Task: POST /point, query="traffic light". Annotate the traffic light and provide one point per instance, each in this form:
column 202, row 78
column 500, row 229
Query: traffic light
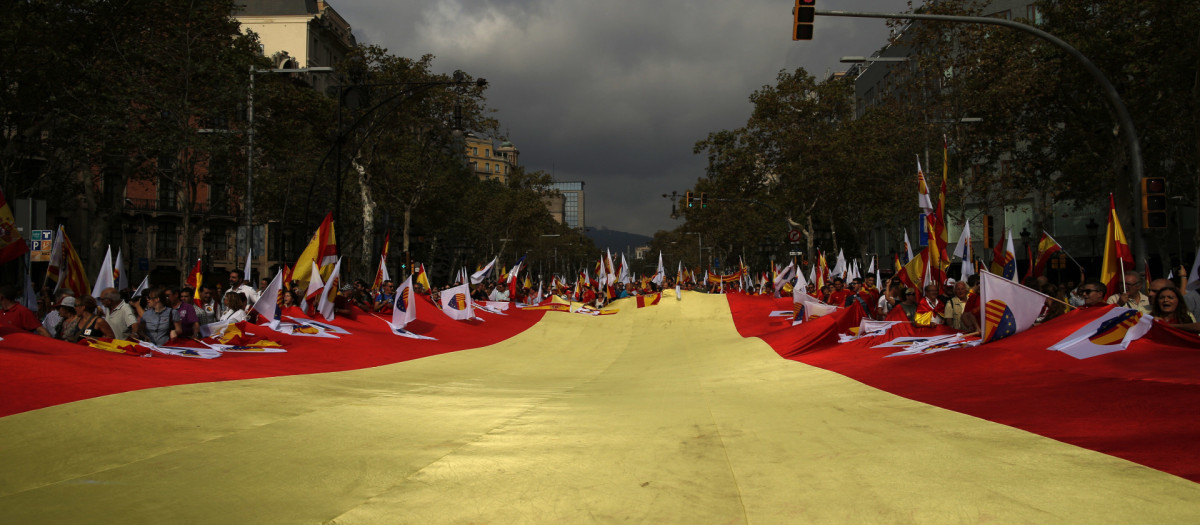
column 688, row 199
column 703, row 199
column 1154, row 202
column 987, row 231
column 802, row 19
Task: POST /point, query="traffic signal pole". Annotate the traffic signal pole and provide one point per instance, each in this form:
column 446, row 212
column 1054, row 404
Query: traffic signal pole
column 1132, row 146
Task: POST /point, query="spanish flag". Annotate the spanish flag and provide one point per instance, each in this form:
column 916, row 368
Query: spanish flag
column 194, row 279
column 1117, row 256
column 322, row 249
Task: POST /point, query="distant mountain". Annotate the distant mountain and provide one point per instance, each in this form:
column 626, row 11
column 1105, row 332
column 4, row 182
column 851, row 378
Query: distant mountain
column 616, row 241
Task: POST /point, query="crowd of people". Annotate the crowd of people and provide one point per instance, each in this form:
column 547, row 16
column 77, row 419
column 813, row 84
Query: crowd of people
column 160, row 314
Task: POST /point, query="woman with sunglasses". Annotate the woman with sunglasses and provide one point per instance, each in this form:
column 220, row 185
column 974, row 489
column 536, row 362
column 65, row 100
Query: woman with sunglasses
column 160, row 323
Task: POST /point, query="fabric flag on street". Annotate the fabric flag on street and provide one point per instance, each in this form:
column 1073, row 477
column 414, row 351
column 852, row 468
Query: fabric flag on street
column 270, row 302
column 423, row 278
column 648, row 300
column 512, row 279
column 142, row 287
column 964, row 252
column 678, row 281
column 623, row 276
column 456, row 303
column 246, row 270
column 404, row 310
column 660, row 271
column 322, row 249
column 839, row 266
column 784, row 276
column 381, row 273
column 194, row 279
column 66, row 267
column 313, row 294
column 120, row 277
column 1117, row 256
column 1046, row 249
column 923, row 201
column 328, row 297
column 1004, row 258
column 1007, row 308
column 1112, row 332
column 908, row 253
column 482, row 274
column 104, row 279
column 12, row 245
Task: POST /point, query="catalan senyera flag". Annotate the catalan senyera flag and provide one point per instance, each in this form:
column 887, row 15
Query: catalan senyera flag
column 381, row 274
column 923, row 201
column 12, row 245
column 322, row 249
column 1117, row 255
column 66, row 267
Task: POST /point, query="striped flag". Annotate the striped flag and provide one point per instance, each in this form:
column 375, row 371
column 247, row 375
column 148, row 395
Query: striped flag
column 1117, row 256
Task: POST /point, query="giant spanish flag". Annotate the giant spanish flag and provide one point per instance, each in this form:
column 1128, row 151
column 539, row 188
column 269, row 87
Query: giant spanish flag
column 322, row 249
column 1117, row 255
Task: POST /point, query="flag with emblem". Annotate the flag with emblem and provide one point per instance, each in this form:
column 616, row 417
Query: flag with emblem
column 1112, row 332
column 194, row 279
column 456, row 303
column 404, row 310
column 1046, row 249
column 1008, row 308
column 381, row 273
column 1004, row 258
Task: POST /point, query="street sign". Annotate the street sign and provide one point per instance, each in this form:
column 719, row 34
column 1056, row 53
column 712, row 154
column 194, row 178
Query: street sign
column 40, row 243
column 794, row 235
column 795, row 253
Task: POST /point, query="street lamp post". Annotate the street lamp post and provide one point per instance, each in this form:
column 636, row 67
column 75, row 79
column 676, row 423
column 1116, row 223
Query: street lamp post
column 250, row 141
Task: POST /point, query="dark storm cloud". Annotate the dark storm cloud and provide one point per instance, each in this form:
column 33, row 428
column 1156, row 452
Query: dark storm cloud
column 616, row 93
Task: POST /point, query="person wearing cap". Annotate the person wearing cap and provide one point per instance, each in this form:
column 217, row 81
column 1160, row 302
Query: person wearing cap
column 86, row 323
column 16, row 314
column 53, row 320
column 67, row 329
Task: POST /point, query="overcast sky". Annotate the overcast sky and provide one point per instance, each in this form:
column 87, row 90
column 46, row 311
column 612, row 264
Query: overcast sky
column 616, row 93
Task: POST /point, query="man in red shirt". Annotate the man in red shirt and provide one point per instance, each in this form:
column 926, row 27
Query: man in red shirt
column 15, row 314
column 840, row 293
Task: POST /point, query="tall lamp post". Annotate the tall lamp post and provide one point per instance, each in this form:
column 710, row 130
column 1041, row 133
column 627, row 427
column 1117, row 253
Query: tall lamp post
column 250, row 141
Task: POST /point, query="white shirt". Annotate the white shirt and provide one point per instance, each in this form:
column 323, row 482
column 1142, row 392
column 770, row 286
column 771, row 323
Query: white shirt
column 233, row 316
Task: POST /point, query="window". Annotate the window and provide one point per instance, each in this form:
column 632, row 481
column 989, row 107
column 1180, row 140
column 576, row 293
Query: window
column 167, row 198
column 487, row 153
column 216, row 243
column 1033, row 14
column 166, row 241
column 475, row 151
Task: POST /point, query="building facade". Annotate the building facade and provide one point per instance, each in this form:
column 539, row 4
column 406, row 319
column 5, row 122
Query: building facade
column 490, row 159
column 567, row 206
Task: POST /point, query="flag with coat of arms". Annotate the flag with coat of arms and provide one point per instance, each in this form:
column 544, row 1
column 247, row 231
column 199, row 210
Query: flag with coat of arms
column 456, row 302
column 1112, row 332
column 1007, row 307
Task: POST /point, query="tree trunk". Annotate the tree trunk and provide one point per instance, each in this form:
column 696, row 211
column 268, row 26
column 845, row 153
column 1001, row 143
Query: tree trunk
column 368, row 212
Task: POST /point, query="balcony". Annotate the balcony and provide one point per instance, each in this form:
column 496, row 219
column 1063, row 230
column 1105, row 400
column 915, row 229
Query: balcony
column 174, row 207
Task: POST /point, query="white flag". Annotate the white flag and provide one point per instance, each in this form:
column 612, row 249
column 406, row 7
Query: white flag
column 456, row 302
column 268, row 301
column 839, row 267
column 624, row 277
column 1006, row 308
column 105, row 279
column 479, row 276
column 907, row 246
column 963, row 250
column 1112, row 332
column 142, row 287
column 246, row 269
column 404, row 310
column 119, row 275
column 923, row 200
column 326, row 306
column 314, row 288
column 660, row 272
